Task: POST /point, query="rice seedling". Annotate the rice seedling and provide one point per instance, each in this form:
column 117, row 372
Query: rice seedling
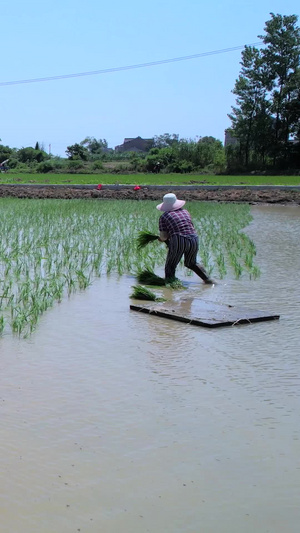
column 220, row 259
column 142, row 293
column 175, row 284
column 148, row 277
column 83, row 280
column 249, row 261
column 255, row 272
column 2, row 324
column 144, row 238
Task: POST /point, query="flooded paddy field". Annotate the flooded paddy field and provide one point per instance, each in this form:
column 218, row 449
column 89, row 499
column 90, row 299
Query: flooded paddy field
column 114, row 421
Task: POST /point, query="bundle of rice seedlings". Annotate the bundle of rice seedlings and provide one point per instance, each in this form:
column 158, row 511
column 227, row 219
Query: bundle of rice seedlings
column 174, row 284
column 142, row 293
column 144, row 238
column 148, row 277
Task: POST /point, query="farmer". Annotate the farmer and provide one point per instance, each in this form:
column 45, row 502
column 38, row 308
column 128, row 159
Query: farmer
column 157, row 167
column 176, row 227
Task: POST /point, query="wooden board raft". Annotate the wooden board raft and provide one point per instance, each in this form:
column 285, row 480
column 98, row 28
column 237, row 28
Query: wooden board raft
column 202, row 313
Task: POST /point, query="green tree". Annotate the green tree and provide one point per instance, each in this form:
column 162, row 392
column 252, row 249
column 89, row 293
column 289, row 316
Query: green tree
column 187, row 155
column 208, row 150
column 282, row 59
column 251, row 89
column 30, row 155
column 5, row 152
column 77, row 151
column 266, row 116
column 94, row 146
column 165, row 140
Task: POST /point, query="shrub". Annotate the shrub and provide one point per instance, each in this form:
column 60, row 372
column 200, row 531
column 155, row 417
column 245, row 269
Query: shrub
column 74, row 166
column 186, row 167
column 182, row 167
column 13, row 162
column 28, row 154
column 137, row 164
column 22, row 168
column 97, row 165
column 150, row 162
column 44, row 167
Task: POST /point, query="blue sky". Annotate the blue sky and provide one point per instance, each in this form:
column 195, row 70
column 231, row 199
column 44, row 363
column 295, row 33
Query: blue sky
column 58, row 37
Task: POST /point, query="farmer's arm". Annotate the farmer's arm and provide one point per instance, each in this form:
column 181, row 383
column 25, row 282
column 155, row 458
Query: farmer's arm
column 163, row 229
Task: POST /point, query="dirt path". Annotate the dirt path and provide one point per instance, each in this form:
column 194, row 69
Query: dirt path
column 267, row 195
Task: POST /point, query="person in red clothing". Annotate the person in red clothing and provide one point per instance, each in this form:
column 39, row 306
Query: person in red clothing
column 176, row 227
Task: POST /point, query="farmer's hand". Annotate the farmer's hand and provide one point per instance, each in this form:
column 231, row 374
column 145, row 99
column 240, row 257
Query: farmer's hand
column 163, row 236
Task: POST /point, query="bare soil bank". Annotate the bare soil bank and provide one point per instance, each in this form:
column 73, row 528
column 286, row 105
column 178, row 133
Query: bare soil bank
column 246, row 195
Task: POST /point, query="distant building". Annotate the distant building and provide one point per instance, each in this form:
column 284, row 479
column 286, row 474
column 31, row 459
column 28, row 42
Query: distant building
column 136, row 144
column 230, row 140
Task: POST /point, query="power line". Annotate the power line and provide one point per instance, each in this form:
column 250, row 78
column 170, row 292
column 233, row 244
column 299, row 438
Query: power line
column 128, row 67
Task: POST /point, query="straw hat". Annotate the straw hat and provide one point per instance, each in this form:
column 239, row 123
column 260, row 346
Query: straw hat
column 170, row 203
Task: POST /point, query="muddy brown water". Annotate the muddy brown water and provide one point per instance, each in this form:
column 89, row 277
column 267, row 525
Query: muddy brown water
column 113, row 421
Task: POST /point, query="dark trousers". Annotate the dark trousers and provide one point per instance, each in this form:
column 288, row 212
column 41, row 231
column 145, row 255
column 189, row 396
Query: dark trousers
column 187, row 246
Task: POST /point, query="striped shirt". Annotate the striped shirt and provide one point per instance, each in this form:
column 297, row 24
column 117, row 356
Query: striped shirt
column 177, row 222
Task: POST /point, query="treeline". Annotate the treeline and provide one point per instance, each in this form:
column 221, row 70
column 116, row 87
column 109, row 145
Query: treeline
column 265, row 123
column 168, row 153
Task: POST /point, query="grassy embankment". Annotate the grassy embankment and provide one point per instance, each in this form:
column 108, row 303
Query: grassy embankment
column 145, row 179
